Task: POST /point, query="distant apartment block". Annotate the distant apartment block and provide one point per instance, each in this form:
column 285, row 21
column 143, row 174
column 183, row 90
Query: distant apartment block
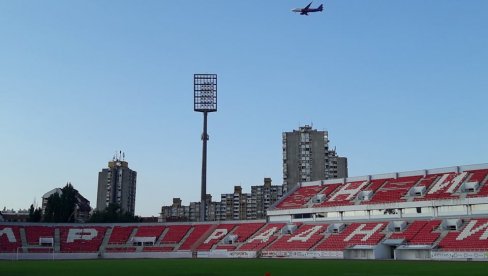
column 262, row 197
column 232, row 206
column 117, row 184
column 308, row 157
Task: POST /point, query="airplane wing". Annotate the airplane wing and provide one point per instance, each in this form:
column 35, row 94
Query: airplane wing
column 308, row 6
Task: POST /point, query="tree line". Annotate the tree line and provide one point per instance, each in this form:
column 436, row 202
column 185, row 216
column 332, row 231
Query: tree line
column 61, row 208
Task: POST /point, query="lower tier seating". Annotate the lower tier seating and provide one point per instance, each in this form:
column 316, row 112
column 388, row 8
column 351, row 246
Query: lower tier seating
column 9, row 238
column 121, row 234
column 175, row 234
column 302, row 240
column 196, row 235
column 470, row 234
column 409, row 233
column 262, row 238
column 219, row 233
column 354, row 234
column 34, row 233
column 81, row 239
column 428, row 234
column 149, row 231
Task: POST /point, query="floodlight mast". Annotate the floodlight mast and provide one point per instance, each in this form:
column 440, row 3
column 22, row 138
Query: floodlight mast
column 205, row 100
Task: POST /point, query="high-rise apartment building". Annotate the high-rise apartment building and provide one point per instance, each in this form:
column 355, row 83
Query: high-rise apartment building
column 176, row 211
column 307, row 157
column 179, row 212
column 263, row 197
column 235, row 204
column 117, row 184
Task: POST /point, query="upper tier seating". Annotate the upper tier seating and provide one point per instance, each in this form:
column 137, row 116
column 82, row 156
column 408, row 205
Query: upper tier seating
column 427, row 180
column 376, row 184
column 347, row 193
column 327, row 191
column 444, row 186
column 394, row 189
column 33, row 233
column 81, row 239
column 473, row 236
column 121, row 234
column 437, row 187
column 301, row 240
column 480, row 177
column 9, row 238
column 355, row 234
column 300, row 197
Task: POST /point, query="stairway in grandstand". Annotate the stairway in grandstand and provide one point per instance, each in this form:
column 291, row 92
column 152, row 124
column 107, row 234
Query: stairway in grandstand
column 23, row 240
column 106, row 239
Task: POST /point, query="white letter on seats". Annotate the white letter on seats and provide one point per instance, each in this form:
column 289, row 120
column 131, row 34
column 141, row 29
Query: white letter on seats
column 367, row 233
column 81, row 234
column 468, row 231
column 217, row 234
column 9, row 233
column 264, row 237
column 305, row 235
column 349, row 192
column 442, row 183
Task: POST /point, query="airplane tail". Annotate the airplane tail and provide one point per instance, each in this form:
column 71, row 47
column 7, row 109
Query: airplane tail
column 321, row 7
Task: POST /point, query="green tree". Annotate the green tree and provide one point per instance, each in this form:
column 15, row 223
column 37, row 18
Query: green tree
column 113, row 213
column 53, row 208
column 35, row 214
column 61, row 208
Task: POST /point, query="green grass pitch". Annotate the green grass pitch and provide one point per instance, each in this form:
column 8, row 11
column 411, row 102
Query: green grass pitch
column 248, row 267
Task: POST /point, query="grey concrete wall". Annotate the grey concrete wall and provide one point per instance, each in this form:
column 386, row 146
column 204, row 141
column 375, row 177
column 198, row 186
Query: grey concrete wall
column 318, row 156
column 292, row 153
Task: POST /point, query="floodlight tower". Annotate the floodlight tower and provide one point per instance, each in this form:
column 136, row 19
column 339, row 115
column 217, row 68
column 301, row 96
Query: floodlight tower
column 205, row 100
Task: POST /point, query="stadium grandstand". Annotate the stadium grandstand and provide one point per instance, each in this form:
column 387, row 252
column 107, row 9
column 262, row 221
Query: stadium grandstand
column 436, row 214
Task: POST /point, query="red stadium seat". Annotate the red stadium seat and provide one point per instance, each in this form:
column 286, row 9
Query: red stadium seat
column 85, row 239
column 9, row 238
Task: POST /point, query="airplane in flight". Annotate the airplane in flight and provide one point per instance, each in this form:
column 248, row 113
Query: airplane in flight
column 307, row 9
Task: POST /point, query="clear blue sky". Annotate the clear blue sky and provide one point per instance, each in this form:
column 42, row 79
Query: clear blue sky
column 399, row 85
